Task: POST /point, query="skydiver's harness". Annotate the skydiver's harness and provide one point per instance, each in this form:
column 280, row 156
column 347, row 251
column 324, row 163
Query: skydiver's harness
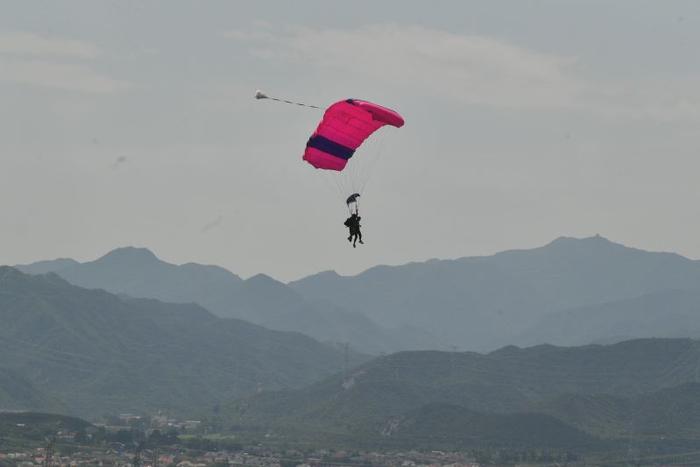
column 353, row 226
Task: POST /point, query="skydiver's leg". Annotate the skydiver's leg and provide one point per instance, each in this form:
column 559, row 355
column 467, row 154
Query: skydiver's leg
column 359, row 234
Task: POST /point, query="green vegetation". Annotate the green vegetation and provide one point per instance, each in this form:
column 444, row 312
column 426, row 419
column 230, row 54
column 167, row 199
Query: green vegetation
column 260, row 299
column 94, row 352
column 22, row 429
column 586, row 398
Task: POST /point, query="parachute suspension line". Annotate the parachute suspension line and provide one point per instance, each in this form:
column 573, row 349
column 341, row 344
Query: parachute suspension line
column 370, row 167
column 261, row 95
column 358, row 171
column 339, row 184
column 358, row 166
column 332, row 181
column 335, row 183
column 350, row 175
column 344, row 180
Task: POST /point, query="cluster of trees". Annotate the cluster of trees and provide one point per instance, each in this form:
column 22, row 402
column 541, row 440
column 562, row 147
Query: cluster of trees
column 126, row 437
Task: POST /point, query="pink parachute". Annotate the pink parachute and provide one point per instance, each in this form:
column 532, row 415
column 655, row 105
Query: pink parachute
column 344, row 127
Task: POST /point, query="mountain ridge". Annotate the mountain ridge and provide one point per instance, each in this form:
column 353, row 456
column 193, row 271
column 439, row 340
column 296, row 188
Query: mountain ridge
column 634, row 390
column 260, row 299
column 484, row 302
column 97, row 351
column 472, row 302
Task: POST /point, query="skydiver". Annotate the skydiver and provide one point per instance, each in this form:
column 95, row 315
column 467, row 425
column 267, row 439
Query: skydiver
column 353, row 224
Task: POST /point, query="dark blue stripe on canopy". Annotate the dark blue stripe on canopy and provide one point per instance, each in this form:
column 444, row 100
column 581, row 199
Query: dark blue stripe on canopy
column 331, row 147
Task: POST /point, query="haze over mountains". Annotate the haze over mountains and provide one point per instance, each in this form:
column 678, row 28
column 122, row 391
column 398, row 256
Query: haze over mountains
column 86, row 352
column 104, row 350
column 668, row 313
column 569, row 292
column 137, row 272
column 482, row 303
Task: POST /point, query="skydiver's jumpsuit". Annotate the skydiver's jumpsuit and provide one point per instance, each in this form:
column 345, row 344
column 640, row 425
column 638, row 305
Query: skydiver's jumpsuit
column 353, row 223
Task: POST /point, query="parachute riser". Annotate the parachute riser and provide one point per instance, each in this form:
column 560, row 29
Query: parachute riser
column 357, row 208
column 353, row 199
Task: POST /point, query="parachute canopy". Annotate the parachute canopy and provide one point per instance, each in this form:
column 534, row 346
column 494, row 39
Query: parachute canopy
column 344, row 127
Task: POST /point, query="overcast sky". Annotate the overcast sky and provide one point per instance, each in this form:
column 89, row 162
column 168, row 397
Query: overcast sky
column 134, row 123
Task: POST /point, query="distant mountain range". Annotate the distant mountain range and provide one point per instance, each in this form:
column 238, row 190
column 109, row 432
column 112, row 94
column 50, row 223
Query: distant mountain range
column 72, row 350
column 483, row 303
column 542, row 396
column 669, row 313
column 137, row 272
column 569, row 292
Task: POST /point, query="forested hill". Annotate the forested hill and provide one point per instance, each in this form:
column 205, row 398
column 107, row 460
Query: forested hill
column 138, row 272
column 384, row 393
column 568, row 292
column 95, row 352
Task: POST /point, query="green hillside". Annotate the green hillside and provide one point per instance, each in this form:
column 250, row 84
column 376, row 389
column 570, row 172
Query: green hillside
column 96, row 352
column 450, row 426
column 632, row 390
column 260, row 299
column 19, row 393
column 37, row 426
column 667, row 413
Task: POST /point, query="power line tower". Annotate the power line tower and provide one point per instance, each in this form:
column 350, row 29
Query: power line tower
column 48, row 455
column 155, row 457
column 136, row 462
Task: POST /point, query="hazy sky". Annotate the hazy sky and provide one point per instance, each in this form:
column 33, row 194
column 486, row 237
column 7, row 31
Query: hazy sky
column 134, row 123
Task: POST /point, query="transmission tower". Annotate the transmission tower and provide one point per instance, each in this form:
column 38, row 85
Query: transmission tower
column 155, row 457
column 48, row 455
column 136, row 462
